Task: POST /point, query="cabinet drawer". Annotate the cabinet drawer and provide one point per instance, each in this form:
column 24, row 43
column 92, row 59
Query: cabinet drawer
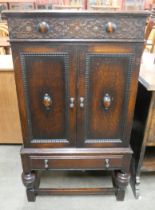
column 75, row 26
column 105, row 162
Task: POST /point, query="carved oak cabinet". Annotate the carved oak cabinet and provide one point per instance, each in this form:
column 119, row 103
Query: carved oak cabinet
column 76, row 77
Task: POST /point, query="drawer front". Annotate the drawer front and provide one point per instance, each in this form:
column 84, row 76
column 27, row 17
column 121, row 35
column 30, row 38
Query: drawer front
column 77, row 27
column 104, row 162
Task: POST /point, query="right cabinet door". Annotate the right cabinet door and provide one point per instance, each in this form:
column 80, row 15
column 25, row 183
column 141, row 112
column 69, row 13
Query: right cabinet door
column 103, row 93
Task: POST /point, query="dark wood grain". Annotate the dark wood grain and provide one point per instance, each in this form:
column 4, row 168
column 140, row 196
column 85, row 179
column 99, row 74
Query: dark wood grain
column 106, row 68
column 76, row 191
column 46, row 71
column 76, row 86
column 77, row 25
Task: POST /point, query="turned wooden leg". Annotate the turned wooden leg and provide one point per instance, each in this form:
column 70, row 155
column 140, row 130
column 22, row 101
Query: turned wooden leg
column 121, row 181
column 29, row 180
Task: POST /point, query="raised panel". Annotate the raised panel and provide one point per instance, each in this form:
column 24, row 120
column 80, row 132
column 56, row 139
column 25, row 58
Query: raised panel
column 106, row 92
column 47, row 90
column 105, row 74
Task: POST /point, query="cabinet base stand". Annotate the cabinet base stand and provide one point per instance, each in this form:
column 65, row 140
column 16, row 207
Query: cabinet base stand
column 116, row 160
column 32, row 180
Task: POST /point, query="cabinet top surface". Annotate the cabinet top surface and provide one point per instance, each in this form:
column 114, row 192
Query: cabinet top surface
column 72, row 12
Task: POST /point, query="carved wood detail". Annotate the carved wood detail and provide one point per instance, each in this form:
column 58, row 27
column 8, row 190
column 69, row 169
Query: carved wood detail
column 77, row 27
column 28, row 180
column 106, row 57
column 25, row 81
column 122, row 180
column 92, row 62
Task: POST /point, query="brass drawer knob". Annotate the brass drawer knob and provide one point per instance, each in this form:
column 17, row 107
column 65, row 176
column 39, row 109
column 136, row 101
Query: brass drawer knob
column 81, row 102
column 107, row 164
column 43, row 27
column 46, row 164
column 72, row 100
column 110, row 27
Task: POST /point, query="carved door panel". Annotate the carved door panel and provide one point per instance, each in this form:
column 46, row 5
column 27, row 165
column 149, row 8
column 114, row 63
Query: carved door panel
column 48, row 75
column 104, row 81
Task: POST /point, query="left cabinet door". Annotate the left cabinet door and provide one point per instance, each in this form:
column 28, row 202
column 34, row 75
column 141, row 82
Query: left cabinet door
column 45, row 78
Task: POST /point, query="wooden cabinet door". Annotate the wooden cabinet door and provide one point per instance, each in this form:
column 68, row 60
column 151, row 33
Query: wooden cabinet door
column 103, row 93
column 48, row 113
